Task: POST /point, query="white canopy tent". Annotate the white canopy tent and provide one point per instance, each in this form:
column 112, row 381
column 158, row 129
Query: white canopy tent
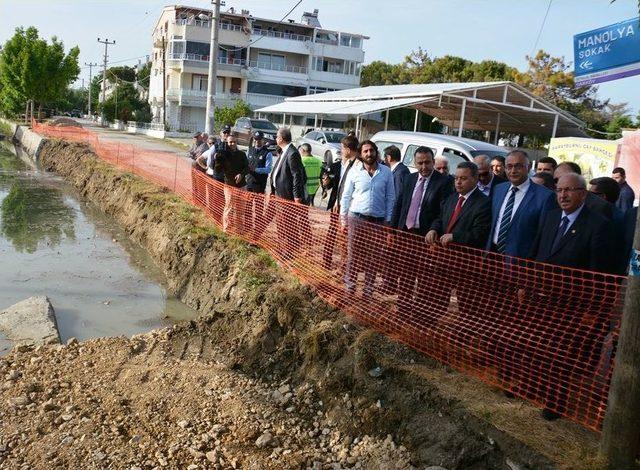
column 486, row 106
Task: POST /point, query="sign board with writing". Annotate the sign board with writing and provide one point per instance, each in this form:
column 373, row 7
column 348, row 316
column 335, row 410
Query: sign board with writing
column 607, row 53
column 596, row 157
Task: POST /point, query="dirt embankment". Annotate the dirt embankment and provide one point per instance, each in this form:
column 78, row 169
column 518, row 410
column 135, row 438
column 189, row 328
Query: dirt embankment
column 264, row 332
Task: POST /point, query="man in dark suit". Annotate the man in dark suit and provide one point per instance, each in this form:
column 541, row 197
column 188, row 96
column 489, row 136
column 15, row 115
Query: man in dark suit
column 398, row 169
column 400, row 173
column 287, row 181
column 487, row 181
column 516, row 208
column 465, row 219
column 575, row 237
column 441, row 165
column 417, row 207
column 334, row 180
column 594, row 203
column 572, row 235
column 627, row 196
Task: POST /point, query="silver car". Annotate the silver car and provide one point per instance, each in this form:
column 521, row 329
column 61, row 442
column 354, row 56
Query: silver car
column 324, row 144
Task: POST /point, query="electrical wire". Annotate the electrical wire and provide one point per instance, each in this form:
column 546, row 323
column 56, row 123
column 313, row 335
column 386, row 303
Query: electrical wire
column 544, row 20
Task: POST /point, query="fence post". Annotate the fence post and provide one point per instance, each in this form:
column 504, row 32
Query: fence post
column 621, row 429
column 118, row 155
column 175, row 174
column 133, row 158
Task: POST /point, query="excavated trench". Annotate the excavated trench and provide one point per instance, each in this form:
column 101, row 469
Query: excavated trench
column 268, row 326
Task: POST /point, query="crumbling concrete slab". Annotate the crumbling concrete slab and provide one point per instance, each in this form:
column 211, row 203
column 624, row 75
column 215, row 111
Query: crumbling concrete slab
column 31, row 321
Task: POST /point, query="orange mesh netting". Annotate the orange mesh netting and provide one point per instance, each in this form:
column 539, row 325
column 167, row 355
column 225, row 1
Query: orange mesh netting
column 544, row 332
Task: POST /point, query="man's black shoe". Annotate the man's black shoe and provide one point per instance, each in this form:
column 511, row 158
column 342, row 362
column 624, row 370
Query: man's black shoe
column 550, row 415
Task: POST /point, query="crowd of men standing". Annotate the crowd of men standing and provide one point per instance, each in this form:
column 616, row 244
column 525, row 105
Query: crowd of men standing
column 496, row 204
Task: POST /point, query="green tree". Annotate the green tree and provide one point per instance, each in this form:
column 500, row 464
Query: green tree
column 228, row 115
column 125, row 104
column 615, row 126
column 143, row 75
column 33, row 69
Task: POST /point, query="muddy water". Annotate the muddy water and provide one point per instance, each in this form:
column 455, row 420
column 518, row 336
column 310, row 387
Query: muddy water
column 54, row 243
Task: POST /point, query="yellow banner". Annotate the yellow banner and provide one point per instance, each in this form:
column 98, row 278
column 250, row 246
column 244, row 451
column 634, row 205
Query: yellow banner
column 596, row 157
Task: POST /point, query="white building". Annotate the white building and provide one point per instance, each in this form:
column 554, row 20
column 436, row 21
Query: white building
column 260, row 61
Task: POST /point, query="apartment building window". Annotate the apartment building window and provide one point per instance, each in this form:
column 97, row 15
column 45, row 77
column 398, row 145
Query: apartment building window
column 326, row 64
column 313, row 90
column 326, row 37
column 199, row 48
column 275, row 89
column 271, row 61
column 176, row 47
column 201, row 82
column 350, row 41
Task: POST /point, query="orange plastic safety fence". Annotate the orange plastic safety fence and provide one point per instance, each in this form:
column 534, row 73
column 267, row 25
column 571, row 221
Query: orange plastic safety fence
column 546, row 333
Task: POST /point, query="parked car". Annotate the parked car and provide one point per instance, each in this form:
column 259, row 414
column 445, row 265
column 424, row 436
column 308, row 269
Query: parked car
column 244, row 128
column 324, row 144
column 454, row 149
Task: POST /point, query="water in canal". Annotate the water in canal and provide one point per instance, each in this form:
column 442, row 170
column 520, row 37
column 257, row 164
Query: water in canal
column 55, row 243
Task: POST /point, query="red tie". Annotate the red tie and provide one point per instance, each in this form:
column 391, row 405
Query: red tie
column 455, row 215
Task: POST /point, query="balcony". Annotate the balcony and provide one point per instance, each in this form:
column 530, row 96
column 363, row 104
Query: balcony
column 279, row 68
column 257, row 100
column 203, row 60
column 198, row 98
column 280, row 35
column 207, row 24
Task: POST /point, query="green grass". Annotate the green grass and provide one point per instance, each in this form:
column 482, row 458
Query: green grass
column 5, row 129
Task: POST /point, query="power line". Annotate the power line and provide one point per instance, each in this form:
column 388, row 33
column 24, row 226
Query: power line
column 544, row 20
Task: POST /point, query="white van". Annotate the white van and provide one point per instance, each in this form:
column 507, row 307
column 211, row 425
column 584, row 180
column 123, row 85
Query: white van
column 454, row 149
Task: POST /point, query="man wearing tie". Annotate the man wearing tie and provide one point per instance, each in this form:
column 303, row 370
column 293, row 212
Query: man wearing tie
column 415, row 210
column 516, row 208
column 334, row 179
column 576, row 237
column 287, row 181
column 465, row 219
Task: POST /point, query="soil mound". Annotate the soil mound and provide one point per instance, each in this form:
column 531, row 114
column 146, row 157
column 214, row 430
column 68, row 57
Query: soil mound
column 270, row 335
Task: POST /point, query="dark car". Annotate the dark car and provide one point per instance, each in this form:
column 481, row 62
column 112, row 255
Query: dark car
column 245, row 127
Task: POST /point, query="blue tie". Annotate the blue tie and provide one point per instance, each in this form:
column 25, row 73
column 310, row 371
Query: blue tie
column 561, row 230
column 505, row 223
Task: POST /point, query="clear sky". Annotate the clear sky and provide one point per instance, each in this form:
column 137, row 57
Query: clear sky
column 503, row 30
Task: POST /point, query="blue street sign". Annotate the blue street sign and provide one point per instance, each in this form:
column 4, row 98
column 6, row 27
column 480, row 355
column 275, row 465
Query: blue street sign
column 607, row 53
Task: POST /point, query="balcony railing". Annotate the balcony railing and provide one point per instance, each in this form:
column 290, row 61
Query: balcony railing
column 281, row 35
column 280, row 68
column 207, row 24
column 205, row 58
column 333, row 42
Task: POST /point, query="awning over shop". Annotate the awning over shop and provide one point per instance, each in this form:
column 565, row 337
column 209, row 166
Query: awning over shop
column 487, row 106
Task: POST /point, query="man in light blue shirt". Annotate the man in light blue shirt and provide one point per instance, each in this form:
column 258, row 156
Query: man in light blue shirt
column 367, row 200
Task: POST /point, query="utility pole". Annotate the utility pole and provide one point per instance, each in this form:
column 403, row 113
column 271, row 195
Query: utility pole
column 213, row 69
column 164, row 83
column 106, row 43
column 91, row 66
column 621, row 431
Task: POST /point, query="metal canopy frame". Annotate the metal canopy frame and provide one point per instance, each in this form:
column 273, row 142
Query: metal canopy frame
column 487, row 106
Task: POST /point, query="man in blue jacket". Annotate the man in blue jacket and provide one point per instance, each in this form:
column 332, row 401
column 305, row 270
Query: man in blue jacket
column 516, row 208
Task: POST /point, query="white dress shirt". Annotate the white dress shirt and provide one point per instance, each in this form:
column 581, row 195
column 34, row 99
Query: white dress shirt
column 572, row 217
column 520, row 194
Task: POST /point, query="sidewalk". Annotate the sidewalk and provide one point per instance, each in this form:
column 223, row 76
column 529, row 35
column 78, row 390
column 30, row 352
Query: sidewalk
column 175, row 146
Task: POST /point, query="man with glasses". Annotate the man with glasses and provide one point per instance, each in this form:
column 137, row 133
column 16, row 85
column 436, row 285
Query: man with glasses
column 487, row 181
column 575, row 237
column 516, row 208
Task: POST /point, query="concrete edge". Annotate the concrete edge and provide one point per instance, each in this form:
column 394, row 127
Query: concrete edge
column 29, row 140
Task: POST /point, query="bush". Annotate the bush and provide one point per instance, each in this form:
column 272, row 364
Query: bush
column 228, row 115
